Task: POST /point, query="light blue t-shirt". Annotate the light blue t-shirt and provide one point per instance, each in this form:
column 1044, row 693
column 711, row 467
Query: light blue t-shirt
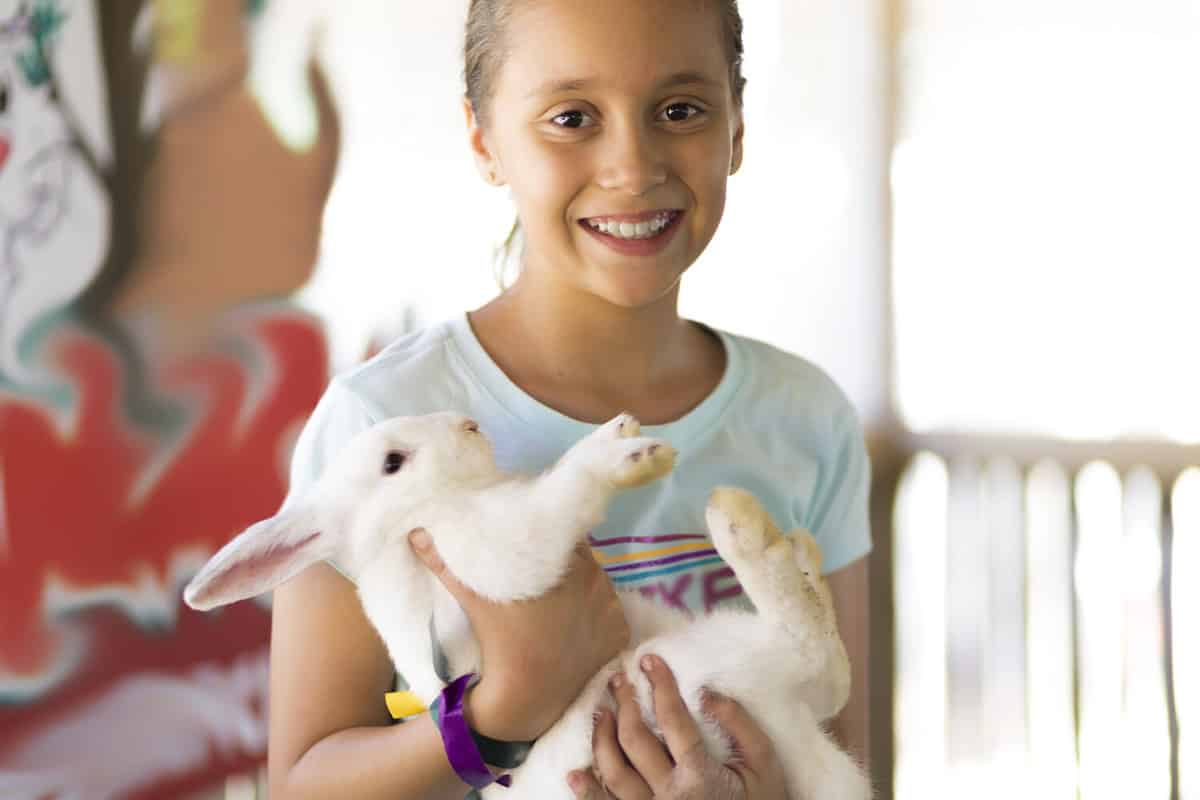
column 775, row 425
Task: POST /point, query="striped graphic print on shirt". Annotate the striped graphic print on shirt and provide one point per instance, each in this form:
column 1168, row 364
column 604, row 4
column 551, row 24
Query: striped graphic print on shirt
column 666, row 555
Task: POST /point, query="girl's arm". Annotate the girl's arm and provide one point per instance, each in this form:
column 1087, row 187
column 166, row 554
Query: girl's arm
column 852, row 604
column 329, row 730
column 330, row 733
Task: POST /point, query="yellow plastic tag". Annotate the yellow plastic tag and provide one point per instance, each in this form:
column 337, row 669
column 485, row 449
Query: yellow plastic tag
column 403, row 704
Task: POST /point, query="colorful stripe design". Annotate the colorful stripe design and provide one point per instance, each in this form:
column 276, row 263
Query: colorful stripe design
column 671, row 537
column 654, row 562
column 665, row 571
column 696, row 550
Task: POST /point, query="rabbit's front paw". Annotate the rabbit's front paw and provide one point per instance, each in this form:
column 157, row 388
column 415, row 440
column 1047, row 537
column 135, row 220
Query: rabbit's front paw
column 622, row 426
column 639, row 461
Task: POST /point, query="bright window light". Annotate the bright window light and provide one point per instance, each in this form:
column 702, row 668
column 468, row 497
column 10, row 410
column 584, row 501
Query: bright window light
column 1046, row 249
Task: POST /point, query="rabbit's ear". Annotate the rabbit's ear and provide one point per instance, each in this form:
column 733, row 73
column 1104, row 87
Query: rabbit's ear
column 263, row 556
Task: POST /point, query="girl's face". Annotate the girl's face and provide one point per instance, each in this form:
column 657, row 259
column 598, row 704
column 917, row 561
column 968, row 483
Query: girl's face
column 615, row 127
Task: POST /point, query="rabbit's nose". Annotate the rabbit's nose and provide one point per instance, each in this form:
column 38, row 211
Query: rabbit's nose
column 470, row 426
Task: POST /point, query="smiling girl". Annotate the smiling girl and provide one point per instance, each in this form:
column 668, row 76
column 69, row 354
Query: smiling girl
column 615, row 125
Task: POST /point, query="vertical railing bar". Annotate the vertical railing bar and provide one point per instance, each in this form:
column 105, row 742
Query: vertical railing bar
column 1073, row 532
column 1168, row 541
column 1026, row 471
column 888, row 467
column 1049, row 699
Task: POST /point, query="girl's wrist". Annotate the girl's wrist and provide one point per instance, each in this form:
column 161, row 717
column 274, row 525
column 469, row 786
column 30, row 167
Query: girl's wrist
column 487, row 713
column 483, row 712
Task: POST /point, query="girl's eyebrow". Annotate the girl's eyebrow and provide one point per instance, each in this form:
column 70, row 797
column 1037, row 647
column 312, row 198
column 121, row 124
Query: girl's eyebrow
column 687, row 78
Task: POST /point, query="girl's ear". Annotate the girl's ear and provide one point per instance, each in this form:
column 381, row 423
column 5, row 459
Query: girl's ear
column 485, row 160
column 739, row 136
column 263, row 556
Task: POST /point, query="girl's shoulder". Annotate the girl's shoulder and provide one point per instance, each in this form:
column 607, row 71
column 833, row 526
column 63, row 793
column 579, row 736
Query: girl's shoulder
column 777, row 381
column 415, row 374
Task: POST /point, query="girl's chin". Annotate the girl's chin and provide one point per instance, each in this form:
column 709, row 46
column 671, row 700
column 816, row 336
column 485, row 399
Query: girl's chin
column 634, row 291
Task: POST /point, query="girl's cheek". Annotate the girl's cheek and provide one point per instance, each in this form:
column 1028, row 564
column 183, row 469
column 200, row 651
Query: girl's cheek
column 541, row 157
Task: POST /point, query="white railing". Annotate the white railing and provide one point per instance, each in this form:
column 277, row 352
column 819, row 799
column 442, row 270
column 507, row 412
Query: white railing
column 1046, row 631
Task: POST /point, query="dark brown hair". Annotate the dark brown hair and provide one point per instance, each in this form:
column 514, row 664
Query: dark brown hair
column 484, row 51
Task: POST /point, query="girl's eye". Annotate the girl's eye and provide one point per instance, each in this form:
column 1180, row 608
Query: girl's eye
column 681, row 112
column 571, row 119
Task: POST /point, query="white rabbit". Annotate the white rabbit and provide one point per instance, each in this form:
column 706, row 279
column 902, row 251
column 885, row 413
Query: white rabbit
column 511, row 537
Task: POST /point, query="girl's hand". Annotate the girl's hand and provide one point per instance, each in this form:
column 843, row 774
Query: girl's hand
column 538, row 654
column 634, row 765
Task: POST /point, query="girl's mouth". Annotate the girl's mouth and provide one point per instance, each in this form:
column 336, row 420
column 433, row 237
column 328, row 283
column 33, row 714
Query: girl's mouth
column 643, row 234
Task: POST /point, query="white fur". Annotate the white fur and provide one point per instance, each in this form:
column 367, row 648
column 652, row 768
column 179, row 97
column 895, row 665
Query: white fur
column 511, row 537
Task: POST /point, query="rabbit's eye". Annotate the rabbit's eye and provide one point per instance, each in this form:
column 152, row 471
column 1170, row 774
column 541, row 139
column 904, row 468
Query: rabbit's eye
column 393, row 462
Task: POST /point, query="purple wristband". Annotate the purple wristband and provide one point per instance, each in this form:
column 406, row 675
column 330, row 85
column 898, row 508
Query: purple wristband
column 461, row 750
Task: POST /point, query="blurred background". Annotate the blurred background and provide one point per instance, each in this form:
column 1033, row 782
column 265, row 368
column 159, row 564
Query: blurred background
column 979, row 216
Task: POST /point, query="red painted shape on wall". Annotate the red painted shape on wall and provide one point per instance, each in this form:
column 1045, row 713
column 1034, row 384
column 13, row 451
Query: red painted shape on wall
column 104, row 511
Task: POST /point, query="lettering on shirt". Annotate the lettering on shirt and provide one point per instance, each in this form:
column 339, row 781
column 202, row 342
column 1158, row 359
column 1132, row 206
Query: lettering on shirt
column 670, row 592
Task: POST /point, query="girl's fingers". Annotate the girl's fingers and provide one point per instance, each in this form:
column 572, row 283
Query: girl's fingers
column 679, row 729
column 643, row 749
column 616, row 774
column 585, row 786
column 422, row 545
column 750, row 742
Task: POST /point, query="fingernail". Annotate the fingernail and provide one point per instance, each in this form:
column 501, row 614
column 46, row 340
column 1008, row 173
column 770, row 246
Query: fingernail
column 617, row 681
column 575, row 779
column 648, row 663
column 419, row 539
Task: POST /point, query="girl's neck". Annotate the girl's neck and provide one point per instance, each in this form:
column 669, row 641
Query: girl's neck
column 590, row 359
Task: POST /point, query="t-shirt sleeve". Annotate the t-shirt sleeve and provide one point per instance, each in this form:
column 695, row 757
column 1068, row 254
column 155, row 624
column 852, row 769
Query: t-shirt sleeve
column 839, row 520
column 338, row 417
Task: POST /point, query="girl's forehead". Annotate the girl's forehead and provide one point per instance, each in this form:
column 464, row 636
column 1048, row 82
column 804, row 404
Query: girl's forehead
column 611, row 44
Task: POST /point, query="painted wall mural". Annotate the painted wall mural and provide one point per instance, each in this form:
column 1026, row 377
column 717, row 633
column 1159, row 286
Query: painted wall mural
column 54, row 212
column 153, row 378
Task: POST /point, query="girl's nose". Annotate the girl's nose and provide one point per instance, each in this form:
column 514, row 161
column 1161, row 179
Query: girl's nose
column 631, row 162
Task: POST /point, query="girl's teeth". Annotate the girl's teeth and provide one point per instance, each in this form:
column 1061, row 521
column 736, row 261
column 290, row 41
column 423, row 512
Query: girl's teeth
column 632, row 230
